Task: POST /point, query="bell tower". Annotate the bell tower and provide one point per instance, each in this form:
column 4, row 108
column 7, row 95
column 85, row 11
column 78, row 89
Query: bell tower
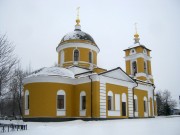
column 138, row 60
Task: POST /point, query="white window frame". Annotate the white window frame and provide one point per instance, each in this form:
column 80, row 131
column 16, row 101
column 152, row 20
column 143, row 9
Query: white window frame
column 76, row 62
column 110, row 93
column 124, row 99
column 146, row 106
column 131, row 51
column 115, row 110
column 82, row 112
column 136, row 105
column 91, row 57
column 26, row 102
column 61, row 112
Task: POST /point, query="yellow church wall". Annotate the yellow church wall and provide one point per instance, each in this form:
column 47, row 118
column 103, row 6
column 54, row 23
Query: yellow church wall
column 139, row 49
column 140, row 95
column 85, row 65
column 68, row 54
column 127, row 52
column 128, row 67
column 78, row 89
column 67, row 64
column 94, row 57
column 151, row 108
column 149, row 67
column 99, row 70
column 116, row 89
column 86, row 87
column 42, row 99
column 140, row 65
column 96, row 99
column 142, row 78
column 83, row 57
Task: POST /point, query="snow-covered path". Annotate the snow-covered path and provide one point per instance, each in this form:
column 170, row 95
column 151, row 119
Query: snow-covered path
column 154, row 126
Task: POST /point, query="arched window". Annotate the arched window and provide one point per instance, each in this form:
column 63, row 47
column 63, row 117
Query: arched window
column 110, row 101
column 90, row 57
column 61, row 100
column 82, row 100
column 76, row 55
column 134, row 68
column 145, row 104
column 62, row 58
column 124, row 104
column 135, row 103
column 145, row 67
column 26, row 100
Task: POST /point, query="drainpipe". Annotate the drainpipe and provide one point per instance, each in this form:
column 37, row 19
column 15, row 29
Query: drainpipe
column 91, row 94
column 133, row 97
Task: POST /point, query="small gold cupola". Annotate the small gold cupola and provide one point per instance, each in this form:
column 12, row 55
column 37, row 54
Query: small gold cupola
column 78, row 26
column 136, row 35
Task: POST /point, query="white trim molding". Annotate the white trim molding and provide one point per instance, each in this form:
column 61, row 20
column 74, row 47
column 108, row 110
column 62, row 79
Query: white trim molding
column 82, row 112
column 139, row 55
column 61, row 112
column 26, row 102
column 114, row 113
column 124, row 99
column 78, row 45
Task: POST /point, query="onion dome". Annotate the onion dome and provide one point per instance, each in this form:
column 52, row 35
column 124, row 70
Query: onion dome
column 77, row 34
column 136, row 35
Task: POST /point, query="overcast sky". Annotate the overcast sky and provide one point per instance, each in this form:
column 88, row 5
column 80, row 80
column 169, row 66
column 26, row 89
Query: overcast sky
column 36, row 27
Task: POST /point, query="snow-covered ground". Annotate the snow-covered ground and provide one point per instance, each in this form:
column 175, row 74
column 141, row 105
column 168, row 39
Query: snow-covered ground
column 153, row 126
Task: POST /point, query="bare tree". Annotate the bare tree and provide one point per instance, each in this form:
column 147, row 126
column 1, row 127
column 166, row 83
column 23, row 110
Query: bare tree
column 165, row 103
column 7, row 63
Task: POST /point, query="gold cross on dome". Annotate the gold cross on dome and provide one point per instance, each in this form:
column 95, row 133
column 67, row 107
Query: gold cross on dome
column 78, row 12
column 135, row 24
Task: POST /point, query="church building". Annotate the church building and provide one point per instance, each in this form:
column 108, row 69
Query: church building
column 78, row 89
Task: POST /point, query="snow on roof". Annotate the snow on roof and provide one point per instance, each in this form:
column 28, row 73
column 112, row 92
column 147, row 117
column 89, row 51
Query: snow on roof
column 53, row 71
column 136, row 45
column 77, row 35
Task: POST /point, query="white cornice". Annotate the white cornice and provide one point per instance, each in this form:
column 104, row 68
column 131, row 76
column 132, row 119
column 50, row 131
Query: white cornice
column 80, row 45
column 138, row 55
column 58, row 79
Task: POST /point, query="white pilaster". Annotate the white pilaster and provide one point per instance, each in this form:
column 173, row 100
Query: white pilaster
column 102, row 99
column 130, row 102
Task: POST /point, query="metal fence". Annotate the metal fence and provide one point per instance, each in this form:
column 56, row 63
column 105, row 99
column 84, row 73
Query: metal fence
column 12, row 127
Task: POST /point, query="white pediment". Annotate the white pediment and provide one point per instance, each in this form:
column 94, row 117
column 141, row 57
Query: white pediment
column 119, row 74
